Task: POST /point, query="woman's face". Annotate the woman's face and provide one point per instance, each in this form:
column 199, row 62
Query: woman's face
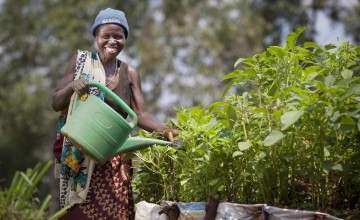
column 110, row 40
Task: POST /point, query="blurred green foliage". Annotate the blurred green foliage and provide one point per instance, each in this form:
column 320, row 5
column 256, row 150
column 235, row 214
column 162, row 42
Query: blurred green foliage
column 19, row 201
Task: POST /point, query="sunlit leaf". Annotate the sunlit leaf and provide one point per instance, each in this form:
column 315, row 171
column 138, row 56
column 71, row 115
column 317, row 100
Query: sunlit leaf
column 274, row 50
column 26, row 178
column 184, row 181
column 347, row 74
column 289, row 118
column 211, row 124
column 231, row 75
column 237, row 153
column 244, row 145
column 338, row 167
column 206, row 157
column 310, row 44
column 273, row 138
column 240, row 60
column 326, row 152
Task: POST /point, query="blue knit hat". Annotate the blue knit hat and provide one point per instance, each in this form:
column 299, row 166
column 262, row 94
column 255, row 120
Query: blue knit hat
column 111, row 16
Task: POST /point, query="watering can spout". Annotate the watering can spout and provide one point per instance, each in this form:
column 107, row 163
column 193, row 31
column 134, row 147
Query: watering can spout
column 138, row 143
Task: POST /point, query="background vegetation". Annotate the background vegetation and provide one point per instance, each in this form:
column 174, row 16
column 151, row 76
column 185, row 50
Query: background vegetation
column 181, row 48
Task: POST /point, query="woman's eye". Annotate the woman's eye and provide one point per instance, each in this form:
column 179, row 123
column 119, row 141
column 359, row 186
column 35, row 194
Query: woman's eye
column 105, row 36
column 118, row 37
column 108, row 36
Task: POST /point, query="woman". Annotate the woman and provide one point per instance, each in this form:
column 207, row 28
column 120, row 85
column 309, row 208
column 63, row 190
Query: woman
column 94, row 191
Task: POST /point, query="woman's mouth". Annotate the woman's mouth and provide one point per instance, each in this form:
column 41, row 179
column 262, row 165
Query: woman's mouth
column 111, row 49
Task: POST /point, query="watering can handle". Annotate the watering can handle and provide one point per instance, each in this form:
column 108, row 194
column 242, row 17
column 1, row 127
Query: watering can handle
column 118, row 101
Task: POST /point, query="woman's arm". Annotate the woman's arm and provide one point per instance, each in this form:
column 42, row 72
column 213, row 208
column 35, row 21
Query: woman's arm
column 67, row 86
column 145, row 120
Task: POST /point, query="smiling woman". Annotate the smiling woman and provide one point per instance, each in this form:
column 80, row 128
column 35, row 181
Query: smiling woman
column 93, row 190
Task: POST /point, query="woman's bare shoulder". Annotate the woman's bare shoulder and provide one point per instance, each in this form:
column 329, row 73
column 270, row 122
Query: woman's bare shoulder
column 133, row 73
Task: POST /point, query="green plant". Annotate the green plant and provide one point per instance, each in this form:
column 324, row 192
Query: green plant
column 19, row 202
column 154, row 180
column 307, row 101
column 290, row 138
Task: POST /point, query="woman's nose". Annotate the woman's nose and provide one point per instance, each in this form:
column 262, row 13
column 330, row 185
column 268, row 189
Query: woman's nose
column 112, row 41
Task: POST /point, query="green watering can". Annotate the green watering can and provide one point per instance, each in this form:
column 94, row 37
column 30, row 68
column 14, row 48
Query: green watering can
column 100, row 132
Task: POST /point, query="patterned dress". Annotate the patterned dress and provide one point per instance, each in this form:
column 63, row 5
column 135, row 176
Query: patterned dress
column 110, row 194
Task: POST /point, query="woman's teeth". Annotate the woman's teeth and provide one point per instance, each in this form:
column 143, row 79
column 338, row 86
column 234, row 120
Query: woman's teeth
column 111, row 50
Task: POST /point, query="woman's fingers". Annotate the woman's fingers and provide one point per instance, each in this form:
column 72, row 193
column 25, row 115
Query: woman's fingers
column 80, row 86
column 170, row 136
column 171, row 133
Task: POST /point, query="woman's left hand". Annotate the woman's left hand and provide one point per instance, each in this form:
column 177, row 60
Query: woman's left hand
column 171, row 133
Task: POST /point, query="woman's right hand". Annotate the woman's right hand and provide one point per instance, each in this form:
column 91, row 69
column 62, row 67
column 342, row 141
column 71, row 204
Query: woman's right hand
column 62, row 95
column 80, row 86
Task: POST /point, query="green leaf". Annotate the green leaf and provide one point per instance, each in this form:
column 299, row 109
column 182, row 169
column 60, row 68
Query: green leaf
column 44, row 206
column 245, row 174
column 292, row 37
column 26, row 178
column 231, row 114
column 353, row 90
column 244, row 145
column 310, row 72
column 273, row 138
column 228, row 87
column 278, row 51
column 310, row 44
column 206, row 157
column 182, row 117
column 240, row 60
column 231, row 75
column 60, row 213
column 211, row 124
column 347, row 74
column 183, row 182
column 289, row 118
column 326, row 152
column 329, row 81
column 330, row 46
column 237, row 153
column 216, row 106
column 326, row 166
column 273, row 89
column 213, row 182
column 347, row 81
column 347, row 123
column 338, row 167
